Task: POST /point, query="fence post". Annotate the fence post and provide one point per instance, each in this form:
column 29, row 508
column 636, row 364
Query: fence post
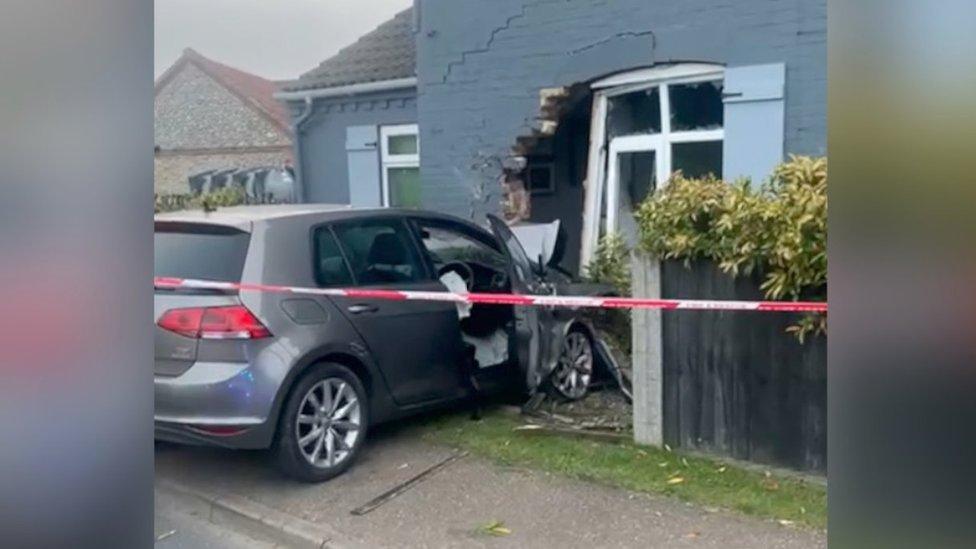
column 647, row 357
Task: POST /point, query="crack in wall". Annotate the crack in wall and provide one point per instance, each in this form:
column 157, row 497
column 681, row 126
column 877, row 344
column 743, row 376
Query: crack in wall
column 607, row 40
column 488, row 45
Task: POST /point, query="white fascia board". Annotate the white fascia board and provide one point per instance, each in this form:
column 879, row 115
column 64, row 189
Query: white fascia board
column 352, row 89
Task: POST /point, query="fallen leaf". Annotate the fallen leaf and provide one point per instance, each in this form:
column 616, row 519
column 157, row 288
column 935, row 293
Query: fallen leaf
column 676, row 480
column 662, row 464
column 685, row 462
column 495, row 528
column 784, row 522
column 166, row 535
column 403, row 466
column 721, row 469
column 667, row 448
column 692, row 535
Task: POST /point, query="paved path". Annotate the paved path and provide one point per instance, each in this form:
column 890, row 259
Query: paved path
column 179, row 528
column 446, row 510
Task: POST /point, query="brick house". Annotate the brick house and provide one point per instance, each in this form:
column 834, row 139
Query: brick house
column 561, row 109
column 209, row 116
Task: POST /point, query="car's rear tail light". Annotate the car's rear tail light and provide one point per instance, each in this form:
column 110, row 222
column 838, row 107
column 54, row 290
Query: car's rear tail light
column 232, row 322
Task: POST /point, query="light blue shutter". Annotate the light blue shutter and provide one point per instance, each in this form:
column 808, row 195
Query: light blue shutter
column 362, row 154
column 754, row 121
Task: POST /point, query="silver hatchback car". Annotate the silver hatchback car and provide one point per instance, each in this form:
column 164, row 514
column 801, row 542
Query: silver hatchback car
column 307, row 375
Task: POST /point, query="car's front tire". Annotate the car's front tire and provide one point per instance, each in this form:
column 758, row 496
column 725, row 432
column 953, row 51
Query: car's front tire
column 570, row 379
column 322, row 425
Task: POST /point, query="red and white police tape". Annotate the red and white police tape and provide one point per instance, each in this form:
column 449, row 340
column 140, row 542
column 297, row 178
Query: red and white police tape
column 505, row 299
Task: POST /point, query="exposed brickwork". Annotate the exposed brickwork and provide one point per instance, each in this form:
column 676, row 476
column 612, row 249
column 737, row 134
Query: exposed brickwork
column 171, row 172
column 481, row 66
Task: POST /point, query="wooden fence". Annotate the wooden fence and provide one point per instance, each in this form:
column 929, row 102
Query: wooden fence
column 729, row 383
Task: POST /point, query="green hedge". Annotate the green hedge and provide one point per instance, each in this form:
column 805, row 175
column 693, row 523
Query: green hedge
column 779, row 229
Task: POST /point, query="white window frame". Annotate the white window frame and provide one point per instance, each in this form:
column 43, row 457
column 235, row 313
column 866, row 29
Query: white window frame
column 388, row 160
column 603, row 155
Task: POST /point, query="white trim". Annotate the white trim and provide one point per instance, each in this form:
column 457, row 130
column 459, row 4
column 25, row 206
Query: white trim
column 653, row 75
column 388, row 161
column 352, row 89
column 593, row 185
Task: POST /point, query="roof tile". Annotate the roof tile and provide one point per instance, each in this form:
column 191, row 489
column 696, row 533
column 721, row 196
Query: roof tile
column 387, row 53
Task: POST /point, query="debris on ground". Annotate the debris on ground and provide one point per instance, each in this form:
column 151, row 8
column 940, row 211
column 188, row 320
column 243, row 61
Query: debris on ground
column 494, row 528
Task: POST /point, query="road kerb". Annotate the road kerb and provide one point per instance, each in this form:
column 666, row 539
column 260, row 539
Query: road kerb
column 252, row 518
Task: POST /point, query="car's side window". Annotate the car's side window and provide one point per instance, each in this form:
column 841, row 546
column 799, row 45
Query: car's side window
column 380, row 251
column 445, row 244
column 330, row 266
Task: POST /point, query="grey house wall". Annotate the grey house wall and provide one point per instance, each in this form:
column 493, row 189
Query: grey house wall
column 481, row 66
column 320, row 146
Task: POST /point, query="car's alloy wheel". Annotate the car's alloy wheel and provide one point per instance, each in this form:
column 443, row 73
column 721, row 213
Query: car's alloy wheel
column 323, row 424
column 327, row 427
column 572, row 375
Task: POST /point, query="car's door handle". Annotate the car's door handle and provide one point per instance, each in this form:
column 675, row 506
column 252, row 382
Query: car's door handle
column 361, row 308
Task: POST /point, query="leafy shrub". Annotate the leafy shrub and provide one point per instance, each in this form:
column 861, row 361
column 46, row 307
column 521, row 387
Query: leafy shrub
column 779, row 230
column 611, row 265
column 232, row 195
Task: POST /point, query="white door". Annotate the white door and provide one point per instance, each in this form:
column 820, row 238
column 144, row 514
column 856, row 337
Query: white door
column 636, row 168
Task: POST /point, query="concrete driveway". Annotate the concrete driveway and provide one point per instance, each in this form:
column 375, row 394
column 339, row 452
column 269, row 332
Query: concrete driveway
column 447, row 509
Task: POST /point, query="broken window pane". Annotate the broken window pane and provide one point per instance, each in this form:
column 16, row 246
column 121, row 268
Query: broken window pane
column 636, row 181
column 696, row 160
column 696, row 106
column 634, row 113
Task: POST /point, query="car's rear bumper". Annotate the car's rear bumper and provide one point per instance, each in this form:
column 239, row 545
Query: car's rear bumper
column 250, row 437
column 217, row 403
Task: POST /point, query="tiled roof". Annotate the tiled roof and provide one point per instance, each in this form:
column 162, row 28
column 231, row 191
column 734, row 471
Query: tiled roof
column 257, row 92
column 388, row 52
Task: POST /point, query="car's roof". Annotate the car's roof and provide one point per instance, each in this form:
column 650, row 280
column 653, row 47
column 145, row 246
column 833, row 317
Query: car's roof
column 243, row 216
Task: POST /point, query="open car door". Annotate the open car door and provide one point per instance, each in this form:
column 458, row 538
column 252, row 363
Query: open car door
column 529, row 343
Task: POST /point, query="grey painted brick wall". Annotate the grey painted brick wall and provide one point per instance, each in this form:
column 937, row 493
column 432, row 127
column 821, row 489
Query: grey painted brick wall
column 322, row 145
column 482, row 63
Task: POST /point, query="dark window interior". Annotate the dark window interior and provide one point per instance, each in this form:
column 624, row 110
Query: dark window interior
column 696, row 106
column 204, row 252
column 380, row 251
column 634, row 113
column 330, row 266
column 697, row 159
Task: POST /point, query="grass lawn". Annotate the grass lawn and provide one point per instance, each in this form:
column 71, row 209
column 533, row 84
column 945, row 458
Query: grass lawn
column 637, row 468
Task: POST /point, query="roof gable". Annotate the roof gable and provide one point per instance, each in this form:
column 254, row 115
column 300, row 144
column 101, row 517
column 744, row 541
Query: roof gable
column 254, row 91
column 388, row 52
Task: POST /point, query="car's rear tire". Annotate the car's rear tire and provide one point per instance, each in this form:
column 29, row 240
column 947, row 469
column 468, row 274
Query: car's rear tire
column 322, row 425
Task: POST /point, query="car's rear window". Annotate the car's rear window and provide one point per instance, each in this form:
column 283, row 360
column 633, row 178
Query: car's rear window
column 206, row 252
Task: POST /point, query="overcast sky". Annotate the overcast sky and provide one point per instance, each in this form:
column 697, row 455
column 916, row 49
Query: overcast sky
column 276, row 39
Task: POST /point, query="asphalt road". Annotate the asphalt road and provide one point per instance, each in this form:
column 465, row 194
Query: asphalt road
column 176, row 528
